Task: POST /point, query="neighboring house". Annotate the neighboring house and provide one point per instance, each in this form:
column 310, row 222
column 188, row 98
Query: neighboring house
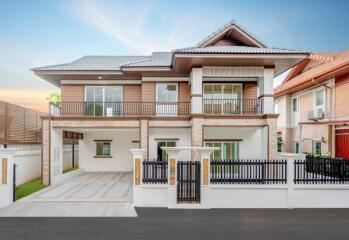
column 20, row 136
column 216, row 93
column 313, row 103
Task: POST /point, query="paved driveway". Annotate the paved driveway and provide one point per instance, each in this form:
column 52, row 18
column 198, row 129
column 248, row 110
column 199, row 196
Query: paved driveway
column 85, row 194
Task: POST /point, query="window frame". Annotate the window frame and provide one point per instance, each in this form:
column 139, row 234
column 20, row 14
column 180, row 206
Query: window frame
column 315, row 106
column 157, row 148
column 103, row 94
column 103, row 155
column 222, row 147
column 157, row 91
column 314, row 142
column 297, row 104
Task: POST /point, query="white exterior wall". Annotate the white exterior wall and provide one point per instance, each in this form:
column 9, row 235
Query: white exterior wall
column 250, row 146
column 121, row 160
column 183, row 134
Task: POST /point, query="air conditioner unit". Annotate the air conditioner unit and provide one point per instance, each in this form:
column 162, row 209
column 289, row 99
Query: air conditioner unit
column 316, row 114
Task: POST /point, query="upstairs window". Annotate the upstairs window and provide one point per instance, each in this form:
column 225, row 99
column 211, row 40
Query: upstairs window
column 295, row 104
column 166, row 92
column 319, row 98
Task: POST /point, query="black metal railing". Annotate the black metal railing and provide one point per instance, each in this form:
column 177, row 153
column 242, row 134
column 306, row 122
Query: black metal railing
column 116, row 109
column 232, row 106
column 321, row 170
column 248, row 171
column 154, row 171
column 188, row 182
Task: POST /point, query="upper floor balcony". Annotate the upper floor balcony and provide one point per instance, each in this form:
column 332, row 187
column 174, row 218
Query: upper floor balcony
column 120, row 109
column 215, row 107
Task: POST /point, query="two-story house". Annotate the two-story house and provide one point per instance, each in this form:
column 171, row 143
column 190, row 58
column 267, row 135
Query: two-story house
column 313, row 105
column 216, row 93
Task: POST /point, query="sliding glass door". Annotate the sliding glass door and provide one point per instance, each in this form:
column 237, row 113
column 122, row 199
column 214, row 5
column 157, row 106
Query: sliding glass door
column 229, row 151
column 222, row 98
column 166, row 99
column 103, row 100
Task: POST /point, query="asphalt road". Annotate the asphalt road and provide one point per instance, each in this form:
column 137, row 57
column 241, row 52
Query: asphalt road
column 164, row 224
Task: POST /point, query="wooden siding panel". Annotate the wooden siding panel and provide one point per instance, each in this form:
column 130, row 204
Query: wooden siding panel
column 148, row 92
column 184, row 92
column 342, row 100
column 72, row 93
column 132, row 93
column 250, row 91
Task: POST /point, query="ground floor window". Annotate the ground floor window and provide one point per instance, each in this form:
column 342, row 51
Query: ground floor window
column 161, row 154
column 102, row 148
column 317, row 146
column 279, row 144
column 228, row 151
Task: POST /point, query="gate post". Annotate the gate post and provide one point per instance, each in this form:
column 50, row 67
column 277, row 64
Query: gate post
column 291, row 157
column 172, row 153
column 205, row 153
column 6, row 180
column 137, row 155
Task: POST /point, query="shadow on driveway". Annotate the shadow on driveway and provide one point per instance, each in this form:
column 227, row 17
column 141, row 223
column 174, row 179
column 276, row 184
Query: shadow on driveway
column 164, row 224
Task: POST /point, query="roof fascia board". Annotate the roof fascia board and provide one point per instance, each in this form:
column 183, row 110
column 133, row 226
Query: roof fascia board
column 145, row 69
column 99, row 82
column 243, row 55
column 88, row 72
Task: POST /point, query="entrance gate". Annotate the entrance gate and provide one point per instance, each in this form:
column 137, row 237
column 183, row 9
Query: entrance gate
column 188, row 182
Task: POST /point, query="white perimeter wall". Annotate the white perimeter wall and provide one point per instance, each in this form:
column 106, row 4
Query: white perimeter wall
column 250, row 146
column 121, row 156
column 184, row 140
column 28, row 165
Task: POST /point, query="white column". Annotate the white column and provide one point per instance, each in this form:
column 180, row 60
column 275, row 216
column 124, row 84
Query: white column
column 56, row 159
column 196, row 90
column 137, row 155
column 265, row 90
column 6, row 179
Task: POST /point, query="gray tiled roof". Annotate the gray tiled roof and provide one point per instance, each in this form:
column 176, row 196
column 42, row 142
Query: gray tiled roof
column 237, row 50
column 225, row 27
column 157, row 59
column 94, row 63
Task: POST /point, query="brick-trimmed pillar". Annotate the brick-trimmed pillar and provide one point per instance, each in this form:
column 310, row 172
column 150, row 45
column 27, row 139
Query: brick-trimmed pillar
column 144, row 136
column 46, row 145
column 196, row 136
column 272, row 137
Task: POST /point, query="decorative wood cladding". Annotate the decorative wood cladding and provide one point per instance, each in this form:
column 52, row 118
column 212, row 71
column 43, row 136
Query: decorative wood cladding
column 132, row 93
column 205, row 172
column 172, row 172
column 4, row 171
column 72, row 93
column 233, row 71
column 137, row 171
column 19, row 124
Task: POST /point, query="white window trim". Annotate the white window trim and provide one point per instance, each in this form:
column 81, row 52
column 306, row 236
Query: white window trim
column 102, row 156
column 313, row 144
column 314, row 98
column 221, row 143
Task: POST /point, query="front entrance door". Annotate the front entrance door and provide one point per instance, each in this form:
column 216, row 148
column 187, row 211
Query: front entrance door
column 342, row 143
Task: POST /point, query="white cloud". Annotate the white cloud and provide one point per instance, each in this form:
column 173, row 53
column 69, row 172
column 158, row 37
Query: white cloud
column 128, row 24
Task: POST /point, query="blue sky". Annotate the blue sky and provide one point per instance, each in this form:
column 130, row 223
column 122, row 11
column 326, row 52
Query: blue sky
column 36, row 33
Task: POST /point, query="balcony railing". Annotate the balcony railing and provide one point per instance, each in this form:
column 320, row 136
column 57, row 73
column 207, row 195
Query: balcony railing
column 119, row 109
column 232, row 106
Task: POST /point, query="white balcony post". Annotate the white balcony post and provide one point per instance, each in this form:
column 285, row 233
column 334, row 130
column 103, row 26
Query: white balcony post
column 137, row 155
column 196, row 91
column 265, row 92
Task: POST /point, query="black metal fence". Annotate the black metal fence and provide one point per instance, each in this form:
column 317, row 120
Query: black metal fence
column 118, row 109
column 321, row 170
column 154, row 171
column 248, row 171
column 188, row 182
column 232, row 106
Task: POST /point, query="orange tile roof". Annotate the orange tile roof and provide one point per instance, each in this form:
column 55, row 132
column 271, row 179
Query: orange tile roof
column 331, row 63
